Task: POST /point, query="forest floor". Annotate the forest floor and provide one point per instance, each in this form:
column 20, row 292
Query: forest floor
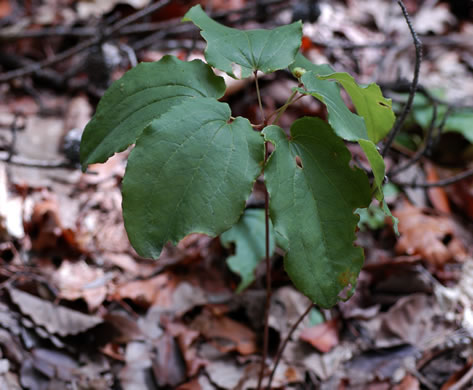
column 79, row 309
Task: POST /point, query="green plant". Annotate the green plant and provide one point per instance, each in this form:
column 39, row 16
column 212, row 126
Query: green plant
column 194, row 165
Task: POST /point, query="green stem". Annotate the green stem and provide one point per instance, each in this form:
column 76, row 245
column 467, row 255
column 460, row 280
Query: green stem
column 283, row 108
column 268, row 280
column 258, row 94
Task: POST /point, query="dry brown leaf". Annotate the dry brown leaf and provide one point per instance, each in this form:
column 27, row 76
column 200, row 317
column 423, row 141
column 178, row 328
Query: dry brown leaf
column 437, row 195
column 322, row 336
column 55, row 319
column 169, row 367
column 227, row 334
column 46, row 230
column 185, row 338
column 430, row 236
column 79, row 280
column 154, row 291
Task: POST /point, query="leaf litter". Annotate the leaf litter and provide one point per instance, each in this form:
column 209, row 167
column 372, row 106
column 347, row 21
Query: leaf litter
column 78, row 307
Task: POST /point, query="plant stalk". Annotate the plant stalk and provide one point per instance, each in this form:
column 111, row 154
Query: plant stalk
column 258, row 94
column 284, row 344
column 268, row 280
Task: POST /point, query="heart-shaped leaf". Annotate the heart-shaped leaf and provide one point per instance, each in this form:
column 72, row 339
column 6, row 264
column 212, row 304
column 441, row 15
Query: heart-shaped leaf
column 141, row 95
column 190, row 171
column 313, row 196
column 264, row 50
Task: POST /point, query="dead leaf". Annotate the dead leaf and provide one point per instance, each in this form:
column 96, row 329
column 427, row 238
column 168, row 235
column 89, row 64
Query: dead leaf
column 408, row 383
column 432, row 237
column 437, row 195
column 169, row 367
column 322, row 336
column 186, row 338
column 147, row 292
column 413, row 320
column 126, row 328
column 136, row 374
column 225, row 373
column 87, row 9
column 433, row 19
column 227, row 334
column 11, row 209
column 46, row 230
column 55, row 319
column 79, row 280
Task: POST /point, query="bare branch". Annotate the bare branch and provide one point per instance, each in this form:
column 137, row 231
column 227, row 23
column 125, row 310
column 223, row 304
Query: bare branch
column 418, row 46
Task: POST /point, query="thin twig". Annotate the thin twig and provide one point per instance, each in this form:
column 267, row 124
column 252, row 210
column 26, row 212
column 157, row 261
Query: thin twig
column 268, row 280
column 418, row 46
column 7, row 76
column 82, row 45
column 284, row 344
column 435, row 138
column 136, row 16
column 440, row 183
column 24, row 162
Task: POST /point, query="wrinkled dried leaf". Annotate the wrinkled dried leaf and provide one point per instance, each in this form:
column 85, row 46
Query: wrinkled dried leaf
column 432, row 237
column 156, row 290
column 185, row 339
column 56, row 319
column 227, row 334
column 79, row 280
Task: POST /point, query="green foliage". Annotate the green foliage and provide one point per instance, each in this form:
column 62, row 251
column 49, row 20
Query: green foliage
column 370, row 103
column 193, row 165
column 141, row 95
column 191, row 171
column 459, row 120
column 372, row 217
column 264, row 50
column 312, row 207
column 248, row 235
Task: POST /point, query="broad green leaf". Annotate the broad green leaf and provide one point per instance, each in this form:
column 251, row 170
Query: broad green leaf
column 141, row 95
column 229, row 48
column 248, row 235
column 313, row 207
column 190, row 171
column 345, row 123
column 461, row 122
column 370, row 103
